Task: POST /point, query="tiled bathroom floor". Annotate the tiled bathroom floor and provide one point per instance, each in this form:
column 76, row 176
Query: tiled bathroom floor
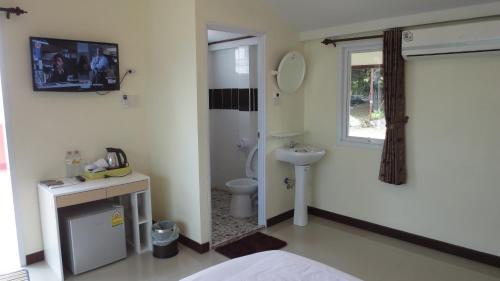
column 226, row 228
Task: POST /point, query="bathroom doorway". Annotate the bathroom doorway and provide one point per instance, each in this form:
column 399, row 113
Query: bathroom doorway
column 10, row 253
column 237, row 158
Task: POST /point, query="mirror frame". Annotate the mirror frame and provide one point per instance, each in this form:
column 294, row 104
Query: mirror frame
column 281, row 66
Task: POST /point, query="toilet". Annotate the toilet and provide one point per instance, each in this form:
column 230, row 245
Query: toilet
column 243, row 190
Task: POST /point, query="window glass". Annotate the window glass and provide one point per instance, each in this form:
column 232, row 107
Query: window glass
column 242, row 57
column 366, row 118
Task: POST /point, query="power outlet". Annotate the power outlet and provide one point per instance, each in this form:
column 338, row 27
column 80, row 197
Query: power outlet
column 130, row 101
column 276, row 99
column 289, row 182
column 125, row 101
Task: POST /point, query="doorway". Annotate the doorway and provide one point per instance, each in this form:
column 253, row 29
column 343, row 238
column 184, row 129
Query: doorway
column 10, row 259
column 237, row 120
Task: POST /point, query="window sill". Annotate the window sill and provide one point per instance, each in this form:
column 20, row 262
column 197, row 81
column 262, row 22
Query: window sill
column 378, row 144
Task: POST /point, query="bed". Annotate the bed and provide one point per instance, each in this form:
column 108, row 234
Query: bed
column 271, row 265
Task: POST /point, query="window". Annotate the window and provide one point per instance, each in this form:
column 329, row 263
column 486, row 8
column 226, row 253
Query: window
column 242, row 57
column 362, row 119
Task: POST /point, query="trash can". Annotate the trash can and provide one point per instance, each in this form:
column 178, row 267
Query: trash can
column 165, row 235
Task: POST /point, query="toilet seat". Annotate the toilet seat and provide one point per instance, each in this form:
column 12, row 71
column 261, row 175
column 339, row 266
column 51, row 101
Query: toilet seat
column 242, row 186
column 251, row 165
column 243, row 189
column 249, row 184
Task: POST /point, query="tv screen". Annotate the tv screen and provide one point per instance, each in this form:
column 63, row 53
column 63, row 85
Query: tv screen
column 74, row 66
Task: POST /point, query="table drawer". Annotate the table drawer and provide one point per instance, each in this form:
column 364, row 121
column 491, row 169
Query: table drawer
column 126, row 188
column 81, row 197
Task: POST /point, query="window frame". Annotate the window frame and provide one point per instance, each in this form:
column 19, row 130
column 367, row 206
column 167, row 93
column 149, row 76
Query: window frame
column 343, row 102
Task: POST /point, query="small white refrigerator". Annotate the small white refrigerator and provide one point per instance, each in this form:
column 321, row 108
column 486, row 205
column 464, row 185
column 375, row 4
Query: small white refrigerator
column 92, row 235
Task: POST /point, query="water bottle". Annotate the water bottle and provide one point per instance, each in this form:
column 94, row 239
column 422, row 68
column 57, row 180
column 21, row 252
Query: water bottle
column 69, row 164
column 77, row 163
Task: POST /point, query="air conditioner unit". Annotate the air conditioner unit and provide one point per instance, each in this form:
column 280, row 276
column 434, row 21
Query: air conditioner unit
column 469, row 37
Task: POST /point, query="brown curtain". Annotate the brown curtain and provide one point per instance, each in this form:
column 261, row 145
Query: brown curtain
column 393, row 164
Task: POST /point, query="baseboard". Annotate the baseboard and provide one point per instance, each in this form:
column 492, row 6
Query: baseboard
column 280, row 218
column 410, row 237
column 35, row 257
column 200, row 248
column 376, row 228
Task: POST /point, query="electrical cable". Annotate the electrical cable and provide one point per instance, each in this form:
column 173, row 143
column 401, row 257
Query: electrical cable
column 121, row 81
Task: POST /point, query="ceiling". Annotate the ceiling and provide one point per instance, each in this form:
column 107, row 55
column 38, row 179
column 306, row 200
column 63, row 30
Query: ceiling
column 216, row 36
column 307, row 15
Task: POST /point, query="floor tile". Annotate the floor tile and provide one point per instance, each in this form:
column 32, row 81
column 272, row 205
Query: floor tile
column 226, row 228
column 366, row 255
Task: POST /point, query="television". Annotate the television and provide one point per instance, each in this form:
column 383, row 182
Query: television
column 74, row 66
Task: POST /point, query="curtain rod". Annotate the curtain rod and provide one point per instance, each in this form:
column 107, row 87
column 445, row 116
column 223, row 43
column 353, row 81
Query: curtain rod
column 334, row 42
column 230, row 40
column 16, row 11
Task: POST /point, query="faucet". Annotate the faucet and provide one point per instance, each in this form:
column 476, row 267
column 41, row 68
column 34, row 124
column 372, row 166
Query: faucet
column 292, row 144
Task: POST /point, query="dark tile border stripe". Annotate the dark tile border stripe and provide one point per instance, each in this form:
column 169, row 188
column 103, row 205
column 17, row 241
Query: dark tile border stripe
column 409, row 237
column 227, row 98
column 280, row 218
column 235, row 97
column 217, row 98
column 255, row 99
column 35, row 257
column 210, row 99
column 200, row 248
column 245, row 99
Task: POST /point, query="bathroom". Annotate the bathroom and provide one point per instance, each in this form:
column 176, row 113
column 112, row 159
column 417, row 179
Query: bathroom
column 233, row 103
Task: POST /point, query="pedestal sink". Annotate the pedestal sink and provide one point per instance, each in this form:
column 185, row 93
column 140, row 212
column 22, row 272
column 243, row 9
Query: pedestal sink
column 302, row 157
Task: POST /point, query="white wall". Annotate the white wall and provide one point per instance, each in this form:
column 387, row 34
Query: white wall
column 280, row 38
column 452, row 138
column 224, row 75
column 254, row 67
column 452, row 148
column 172, row 114
column 41, row 127
column 165, row 134
column 229, row 126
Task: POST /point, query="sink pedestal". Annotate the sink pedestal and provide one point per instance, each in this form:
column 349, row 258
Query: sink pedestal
column 302, row 157
column 302, row 190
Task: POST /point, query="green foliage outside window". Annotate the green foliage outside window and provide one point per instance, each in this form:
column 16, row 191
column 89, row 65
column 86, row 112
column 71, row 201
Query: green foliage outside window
column 360, row 89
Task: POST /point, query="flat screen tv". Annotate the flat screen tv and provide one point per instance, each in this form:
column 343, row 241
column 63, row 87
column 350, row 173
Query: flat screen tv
column 74, row 66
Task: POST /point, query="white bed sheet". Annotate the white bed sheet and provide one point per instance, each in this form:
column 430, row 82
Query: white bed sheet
column 271, row 265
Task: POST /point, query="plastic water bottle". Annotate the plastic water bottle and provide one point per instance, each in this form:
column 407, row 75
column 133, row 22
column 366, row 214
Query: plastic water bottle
column 77, row 163
column 69, row 164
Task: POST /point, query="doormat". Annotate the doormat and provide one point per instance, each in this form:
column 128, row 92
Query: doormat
column 257, row 242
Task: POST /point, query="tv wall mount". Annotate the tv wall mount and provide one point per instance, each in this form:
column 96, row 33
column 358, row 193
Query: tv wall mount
column 16, row 11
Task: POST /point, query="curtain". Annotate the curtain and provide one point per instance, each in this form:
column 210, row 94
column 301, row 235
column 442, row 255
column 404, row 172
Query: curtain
column 393, row 163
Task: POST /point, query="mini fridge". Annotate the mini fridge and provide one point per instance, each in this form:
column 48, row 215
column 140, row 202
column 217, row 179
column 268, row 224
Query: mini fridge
column 92, row 235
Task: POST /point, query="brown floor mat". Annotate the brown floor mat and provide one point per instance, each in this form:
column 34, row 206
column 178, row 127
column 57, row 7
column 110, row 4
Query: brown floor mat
column 257, row 242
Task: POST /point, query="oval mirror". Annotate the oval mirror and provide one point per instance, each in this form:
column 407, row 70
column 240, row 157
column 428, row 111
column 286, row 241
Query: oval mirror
column 291, row 72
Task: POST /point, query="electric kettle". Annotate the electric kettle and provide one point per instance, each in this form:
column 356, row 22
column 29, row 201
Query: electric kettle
column 116, row 158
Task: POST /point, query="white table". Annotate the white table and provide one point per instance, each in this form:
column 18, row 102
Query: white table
column 132, row 191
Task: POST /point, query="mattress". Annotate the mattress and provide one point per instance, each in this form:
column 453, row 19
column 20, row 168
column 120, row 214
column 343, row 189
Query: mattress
column 271, row 265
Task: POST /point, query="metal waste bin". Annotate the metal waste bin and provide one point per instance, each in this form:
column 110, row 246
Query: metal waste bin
column 165, row 235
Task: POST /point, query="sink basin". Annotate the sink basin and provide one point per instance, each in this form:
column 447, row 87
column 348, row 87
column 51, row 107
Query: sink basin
column 301, row 155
